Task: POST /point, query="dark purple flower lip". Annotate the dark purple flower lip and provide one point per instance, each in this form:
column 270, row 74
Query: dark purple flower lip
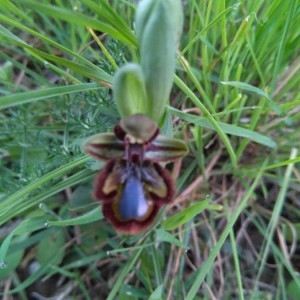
column 132, row 194
column 132, row 185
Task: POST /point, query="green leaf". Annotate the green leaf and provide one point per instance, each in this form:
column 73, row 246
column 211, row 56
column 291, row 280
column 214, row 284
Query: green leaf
column 106, row 12
column 127, row 268
column 157, row 293
column 185, row 215
column 32, row 278
column 164, row 236
column 32, row 96
column 81, row 198
column 252, row 89
column 215, row 125
column 73, row 17
column 293, row 288
column 227, row 128
column 14, row 204
column 15, row 39
column 208, row 264
column 52, row 248
column 25, row 227
column 92, row 216
column 87, row 71
column 12, row 259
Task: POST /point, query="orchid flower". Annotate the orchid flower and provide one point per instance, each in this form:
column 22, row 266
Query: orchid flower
column 133, row 186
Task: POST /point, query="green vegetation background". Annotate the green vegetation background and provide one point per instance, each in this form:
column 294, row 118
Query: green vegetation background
column 233, row 230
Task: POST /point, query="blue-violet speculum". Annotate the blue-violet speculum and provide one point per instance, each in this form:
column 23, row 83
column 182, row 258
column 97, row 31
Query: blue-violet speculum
column 133, row 186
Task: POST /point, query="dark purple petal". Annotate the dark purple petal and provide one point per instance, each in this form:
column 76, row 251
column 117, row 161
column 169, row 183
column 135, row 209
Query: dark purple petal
column 158, row 182
column 107, row 182
column 132, row 194
column 119, row 132
column 131, row 227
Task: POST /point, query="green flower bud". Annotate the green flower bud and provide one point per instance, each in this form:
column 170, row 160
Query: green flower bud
column 158, row 28
column 130, row 91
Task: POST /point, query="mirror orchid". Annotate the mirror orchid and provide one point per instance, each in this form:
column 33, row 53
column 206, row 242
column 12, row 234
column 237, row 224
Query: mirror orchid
column 133, row 186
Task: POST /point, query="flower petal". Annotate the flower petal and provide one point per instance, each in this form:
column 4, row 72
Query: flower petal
column 165, row 149
column 131, row 227
column 132, row 194
column 107, row 182
column 158, row 183
column 104, row 146
column 133, row 203
column 140, row 128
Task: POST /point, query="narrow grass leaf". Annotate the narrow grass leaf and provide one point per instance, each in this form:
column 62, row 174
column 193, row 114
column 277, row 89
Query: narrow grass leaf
column 283, row 163
column 206, row 28
column 18, row 206
column 228, row 128
column 237, row 264
column 18, row 196
column 8, row 6
column 289, row 19
column 106, row 12
column 26, row 226
column 92, row 72
column 73, row 17
column 32, row 278
column 185, row 215
column 164, row 236
column 252, row 89
column 37, row 95
column 207, row 265
column 125, row 271
column 92, row 216
column 48, row 41
column 209, row 117
column 274, row 221
column 85, row 261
